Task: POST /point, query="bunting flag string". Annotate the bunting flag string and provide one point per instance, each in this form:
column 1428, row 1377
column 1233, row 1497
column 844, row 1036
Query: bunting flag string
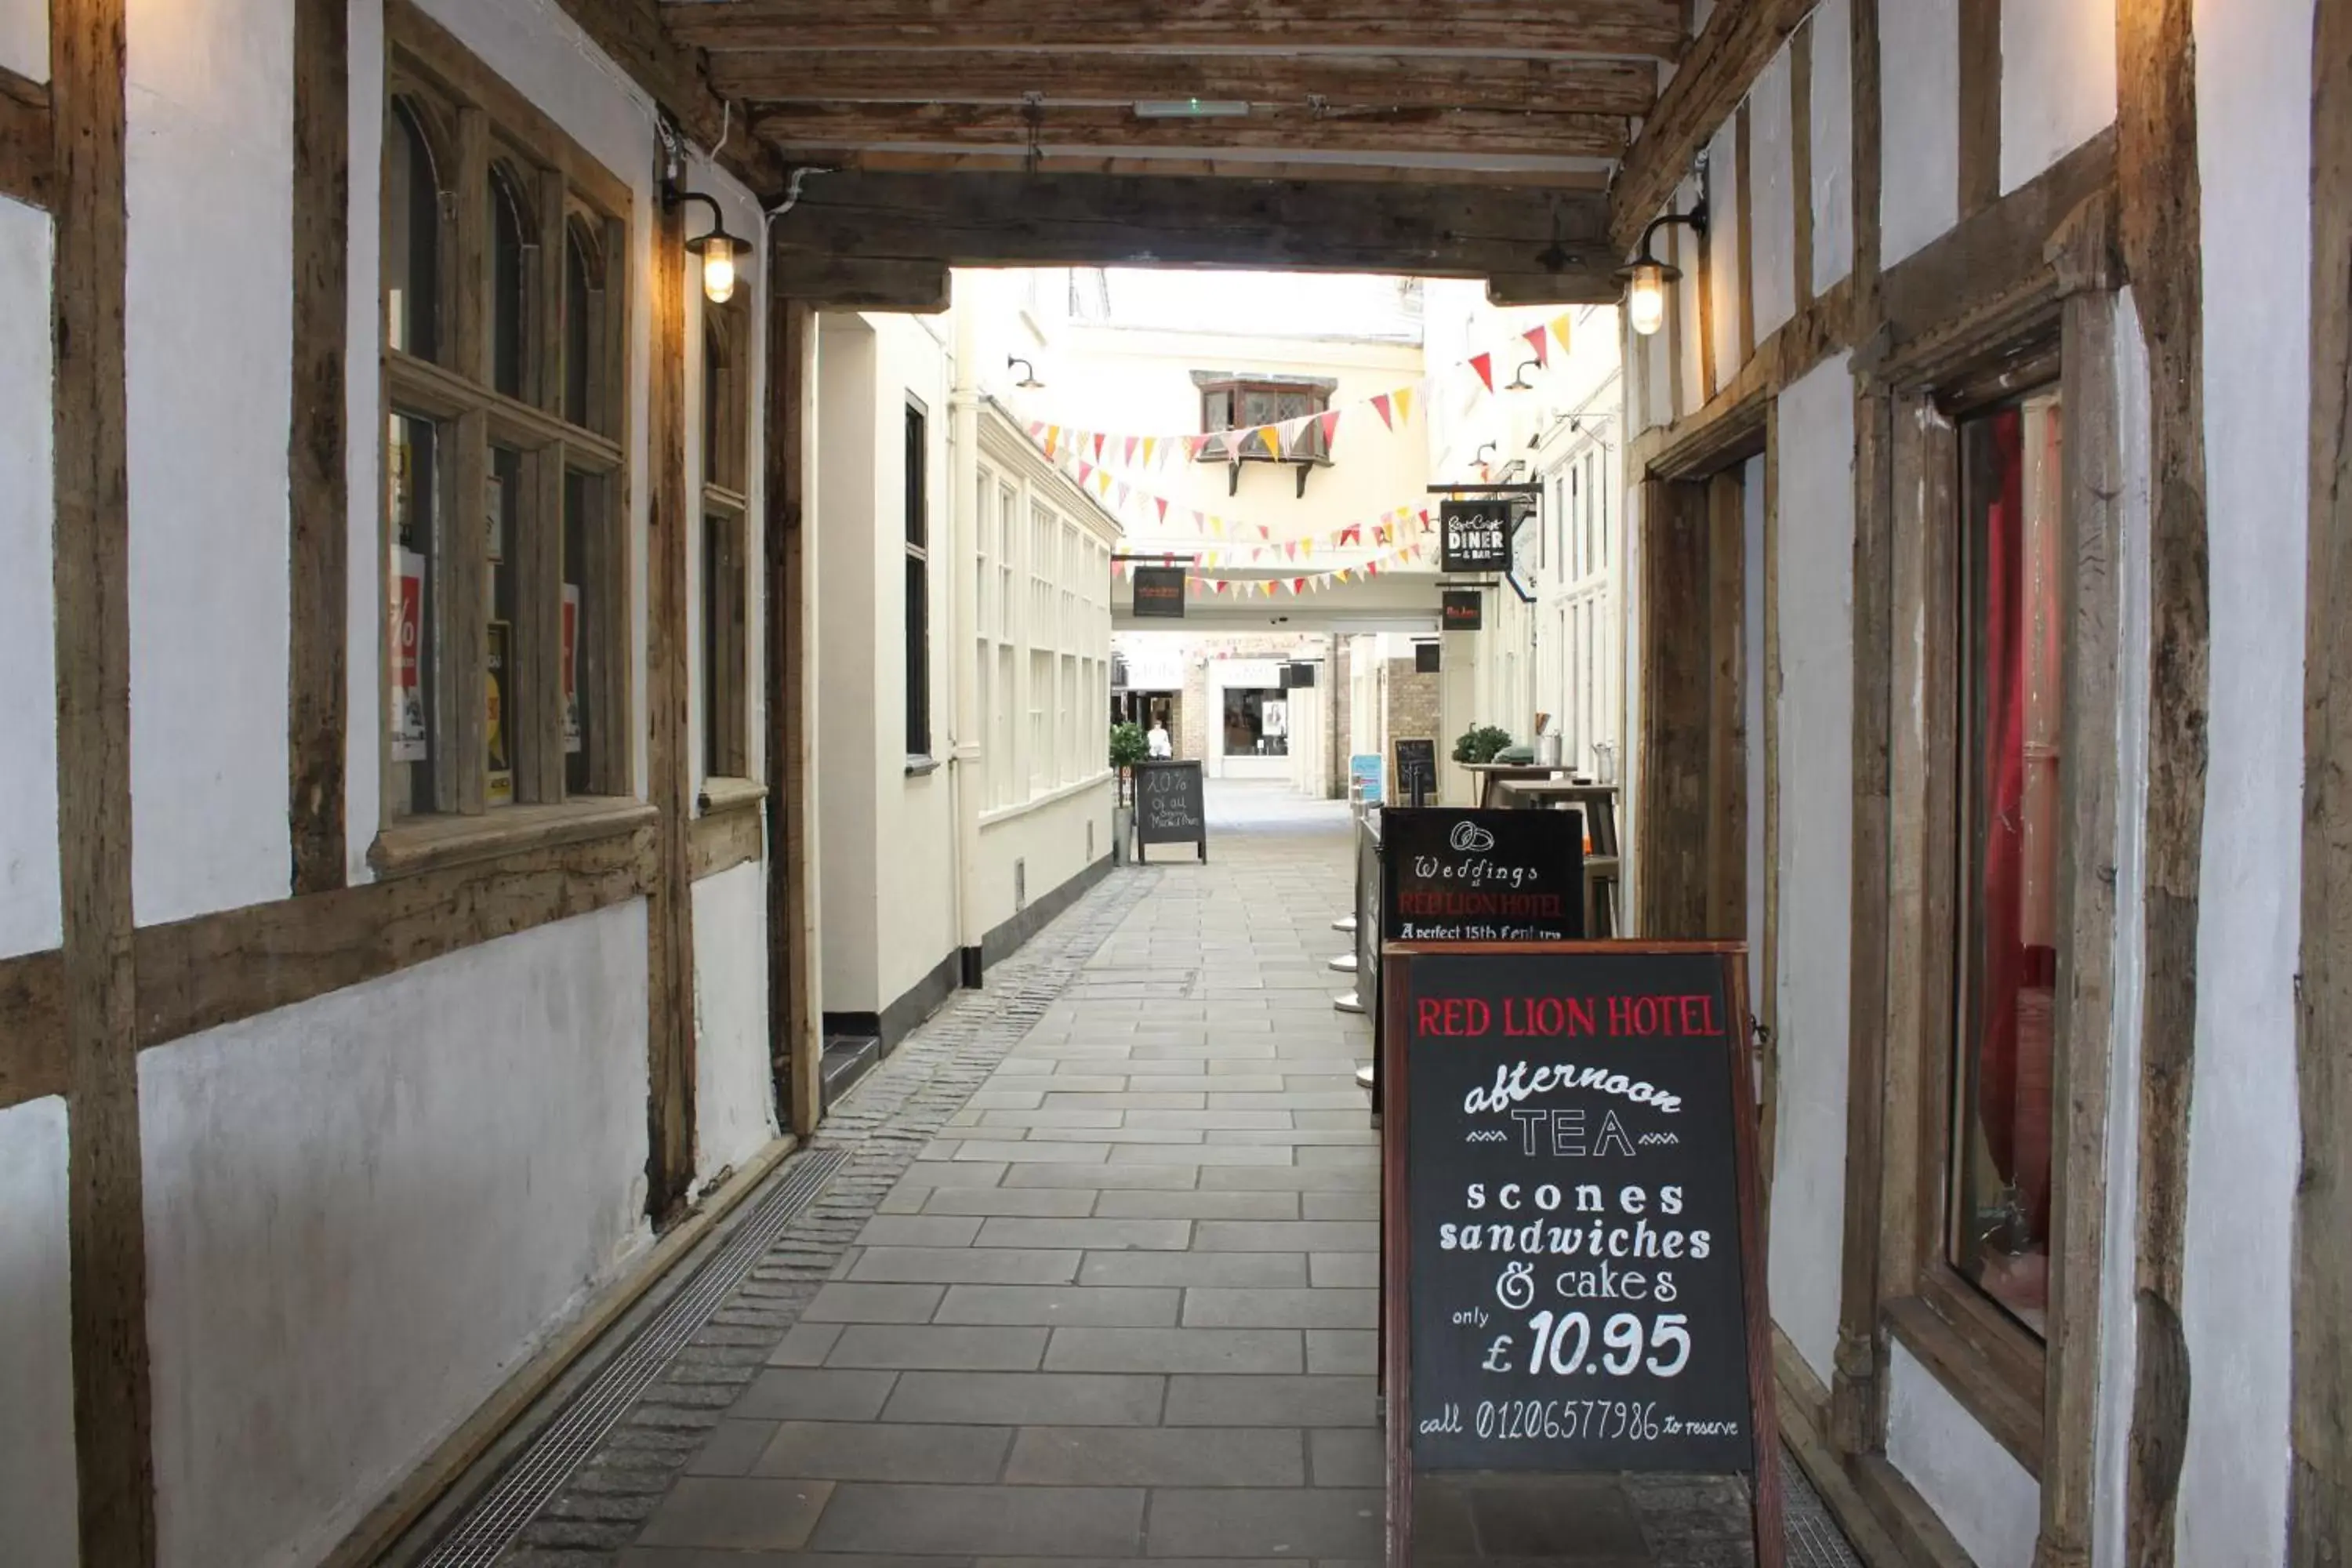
column 1281, row 440
column 1297, row 586
column 1258, row 543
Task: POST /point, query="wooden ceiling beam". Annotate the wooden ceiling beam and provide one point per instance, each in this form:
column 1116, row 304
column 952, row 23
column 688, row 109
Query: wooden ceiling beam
column 1649, row 28
column 25, row 154
column 1738, row 41
column 983, row 220
column 1105, row 76
column 632, row 33
column 857, row 283
column 1466, row 132
column 1212, row 166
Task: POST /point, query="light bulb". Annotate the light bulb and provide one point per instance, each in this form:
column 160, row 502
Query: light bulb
column 1645, row 300
column 718, row 270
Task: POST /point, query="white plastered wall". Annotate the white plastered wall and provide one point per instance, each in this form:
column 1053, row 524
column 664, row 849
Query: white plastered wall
column 209, row 333
column 2057, row 81
column 1833, row 128
column 1051, row 838
column 2254, row 62
column 37, row 1439
column 1772, row 196
column 1815, row 707
column 366, row 1211
column 1990, row 1503
column 1919, row 94
column 29, row 914
column 1723, row 252
column 734, row 1087
column 843, row 502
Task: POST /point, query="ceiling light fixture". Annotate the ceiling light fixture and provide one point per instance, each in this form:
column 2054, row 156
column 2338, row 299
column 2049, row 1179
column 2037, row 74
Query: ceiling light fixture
column 1192, row 109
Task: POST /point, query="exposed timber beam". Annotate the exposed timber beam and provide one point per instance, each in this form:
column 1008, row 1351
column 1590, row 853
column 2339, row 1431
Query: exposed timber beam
column 1738, row 41
column 1637, row 28
column 24, row 139
column 1401, row 169
column 1109, row 76
column 1466, row 132
column 632, row 32
column 918, row 288
column 1019, row 220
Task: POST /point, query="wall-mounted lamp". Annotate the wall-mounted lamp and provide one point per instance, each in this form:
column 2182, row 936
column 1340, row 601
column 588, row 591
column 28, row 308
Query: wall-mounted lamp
column 1028, row 382
column 1484, row 452
column 1646, row 278
column 718, row 248
column 1519, row 381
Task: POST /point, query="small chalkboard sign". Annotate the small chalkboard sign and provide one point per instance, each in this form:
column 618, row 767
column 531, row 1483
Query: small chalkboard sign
column 1417, row 768
column 1451, row 875
column 1574, row 1273
column 1168, row 808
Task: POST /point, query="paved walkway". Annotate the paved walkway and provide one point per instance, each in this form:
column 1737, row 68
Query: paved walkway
column 1096, row 1289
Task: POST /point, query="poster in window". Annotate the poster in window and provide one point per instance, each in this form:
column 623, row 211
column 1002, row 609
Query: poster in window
column 571, row 668
column 401, row 460
column 502, row 754
column 408, row 739
column 495, row 515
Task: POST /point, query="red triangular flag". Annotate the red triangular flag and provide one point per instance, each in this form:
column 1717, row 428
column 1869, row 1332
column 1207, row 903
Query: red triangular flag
column 1539, row 340
column 1331, row 430
column 1380, row 407
column 1163, row 506
column 1194, row 446
column 1483, row 365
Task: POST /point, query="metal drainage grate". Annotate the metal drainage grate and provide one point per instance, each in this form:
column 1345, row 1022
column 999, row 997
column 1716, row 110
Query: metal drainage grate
column 540, row 1470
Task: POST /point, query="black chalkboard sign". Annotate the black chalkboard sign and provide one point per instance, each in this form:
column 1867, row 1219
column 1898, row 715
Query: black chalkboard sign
column 1168, row 807
column 1415, row 759
column 1451, row 875
column 1160, row 593
column 1573, row 1264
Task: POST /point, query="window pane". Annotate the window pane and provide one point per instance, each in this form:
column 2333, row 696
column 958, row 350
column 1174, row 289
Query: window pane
column 919, row 659
column 593, row 718
column 500, row 515
column 919, row 526
column 580, row 306
column 2010, row 713
column 509, row 281
column 412, row 239
column 410, row 472
column 724, row 679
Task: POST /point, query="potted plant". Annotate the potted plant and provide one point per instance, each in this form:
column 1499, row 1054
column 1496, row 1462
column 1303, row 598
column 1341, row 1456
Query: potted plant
column 1127, row 747
column 1480, row 742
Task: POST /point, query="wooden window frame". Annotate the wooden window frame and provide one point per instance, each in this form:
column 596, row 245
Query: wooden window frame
column 473, row 120
column 1309, row 453
column 917, row 510
column 2003, row 1374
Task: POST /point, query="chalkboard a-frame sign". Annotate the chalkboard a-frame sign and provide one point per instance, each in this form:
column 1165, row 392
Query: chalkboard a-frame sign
column 1170, row 807
column 1573, row 1269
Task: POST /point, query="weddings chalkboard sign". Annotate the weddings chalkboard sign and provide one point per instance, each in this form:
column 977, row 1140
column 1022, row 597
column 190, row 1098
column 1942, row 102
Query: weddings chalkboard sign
column 1415, row 759
column 1573, row 1263
column 1451, row 875
column 1168, row 807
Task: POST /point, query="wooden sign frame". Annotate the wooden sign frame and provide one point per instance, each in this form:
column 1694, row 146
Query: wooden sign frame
column 1399, row 789
column 1143, row 841
column 1396, row 1229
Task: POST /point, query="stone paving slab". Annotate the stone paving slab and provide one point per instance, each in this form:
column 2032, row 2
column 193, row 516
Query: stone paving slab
column 1098, row 1286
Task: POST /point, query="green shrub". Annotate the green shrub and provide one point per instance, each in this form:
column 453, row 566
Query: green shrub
column 1480, row 742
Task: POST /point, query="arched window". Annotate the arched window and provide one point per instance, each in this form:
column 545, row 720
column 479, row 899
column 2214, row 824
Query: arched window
column 412, row 240
column 583, row 284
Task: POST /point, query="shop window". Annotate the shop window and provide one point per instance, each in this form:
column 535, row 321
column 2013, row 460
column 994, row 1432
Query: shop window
column 1257, row 723
column 918, row 582
column 505, row 622
column 2011, row 726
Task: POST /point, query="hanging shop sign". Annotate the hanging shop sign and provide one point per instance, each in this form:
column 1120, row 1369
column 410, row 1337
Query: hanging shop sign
column 1170, row 807
column 1475, row 535
column 1463, row 610
column 1427, row 658
column 1160, row 593
column 1364, row 777
column 1455, row 874
column 1297, row 675
column 1573, row 1272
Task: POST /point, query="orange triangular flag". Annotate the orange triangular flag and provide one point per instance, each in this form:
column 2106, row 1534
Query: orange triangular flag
column 1539, row 341
column 1271, row 438
column 1484, row 365
column 1052, row 435
column 1380, row 407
